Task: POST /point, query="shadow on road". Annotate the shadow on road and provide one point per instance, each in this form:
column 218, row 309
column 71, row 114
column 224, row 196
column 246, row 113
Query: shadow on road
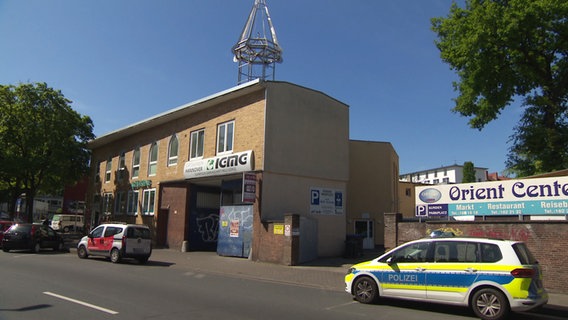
column 29, row 308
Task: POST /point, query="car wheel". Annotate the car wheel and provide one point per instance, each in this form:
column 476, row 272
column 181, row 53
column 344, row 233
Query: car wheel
column 115, row 255
column 5, row 249
column 82, row 252
column 490, row 304
column 66, row 229
column 365, row 290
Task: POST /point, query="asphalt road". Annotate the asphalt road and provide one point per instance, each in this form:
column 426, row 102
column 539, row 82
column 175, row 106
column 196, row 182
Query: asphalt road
column 52, row 285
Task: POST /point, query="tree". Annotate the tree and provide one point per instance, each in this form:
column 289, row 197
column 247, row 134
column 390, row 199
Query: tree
column 44, row 141
column 468, row 172
column 502, row 50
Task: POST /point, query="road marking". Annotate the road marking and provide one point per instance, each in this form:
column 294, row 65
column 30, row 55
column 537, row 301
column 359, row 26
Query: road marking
column 80, row 302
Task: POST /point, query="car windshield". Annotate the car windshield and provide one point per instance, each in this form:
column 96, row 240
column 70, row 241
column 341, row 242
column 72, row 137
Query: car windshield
column 20, row 228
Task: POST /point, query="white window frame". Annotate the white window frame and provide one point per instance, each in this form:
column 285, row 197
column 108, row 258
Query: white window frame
column 121, row 172
column 173, row 157
column 136, row 162
column 108, row 170
column 196, row 144
column 225, row 137
column 132, row 202
column 149, row 202
column 153, row 164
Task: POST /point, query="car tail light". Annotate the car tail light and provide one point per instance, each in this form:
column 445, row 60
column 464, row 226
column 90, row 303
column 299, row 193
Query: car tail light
column 523, row 273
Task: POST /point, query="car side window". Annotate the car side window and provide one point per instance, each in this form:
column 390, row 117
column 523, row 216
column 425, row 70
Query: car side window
column 111, row 231
column 98, row 232
column 416, row 252
column 490, row 253
column 455, row 251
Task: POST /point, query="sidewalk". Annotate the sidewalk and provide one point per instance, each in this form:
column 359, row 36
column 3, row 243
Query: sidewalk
column 325, row 274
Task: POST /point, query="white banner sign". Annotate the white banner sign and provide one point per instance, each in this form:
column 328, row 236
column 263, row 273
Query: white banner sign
column 221, row 165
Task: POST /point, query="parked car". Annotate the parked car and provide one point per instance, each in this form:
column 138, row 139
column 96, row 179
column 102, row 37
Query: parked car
column 117, row 241
column 492, row 277
column 34, row 237
column 4, row 225
column 67, row 222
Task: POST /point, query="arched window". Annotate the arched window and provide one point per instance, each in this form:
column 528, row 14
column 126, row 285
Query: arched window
column 153, row 160
column 173, row 151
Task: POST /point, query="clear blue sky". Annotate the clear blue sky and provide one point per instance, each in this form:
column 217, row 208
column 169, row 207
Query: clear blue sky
column 122, row 61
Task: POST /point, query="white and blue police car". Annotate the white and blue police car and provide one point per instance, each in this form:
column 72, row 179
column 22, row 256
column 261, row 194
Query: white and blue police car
column 492, row 277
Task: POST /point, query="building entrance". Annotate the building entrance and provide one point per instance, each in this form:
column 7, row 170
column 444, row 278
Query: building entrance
column 364, row 229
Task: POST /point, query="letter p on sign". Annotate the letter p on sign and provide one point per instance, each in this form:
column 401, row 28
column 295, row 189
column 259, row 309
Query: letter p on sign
column 315, row 197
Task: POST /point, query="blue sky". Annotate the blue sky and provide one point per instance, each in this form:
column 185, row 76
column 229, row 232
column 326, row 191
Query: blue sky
column 122, row 61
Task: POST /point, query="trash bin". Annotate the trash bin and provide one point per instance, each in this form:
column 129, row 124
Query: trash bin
column 353, row 246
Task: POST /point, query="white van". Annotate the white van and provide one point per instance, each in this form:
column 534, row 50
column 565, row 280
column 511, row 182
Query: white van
column 67, row 222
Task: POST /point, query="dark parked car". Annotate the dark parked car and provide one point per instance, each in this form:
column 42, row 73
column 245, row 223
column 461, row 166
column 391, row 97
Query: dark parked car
column 34, row 237
column 4, row 225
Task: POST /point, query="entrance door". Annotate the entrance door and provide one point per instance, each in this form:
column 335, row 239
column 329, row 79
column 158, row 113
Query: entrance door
column 364, row 229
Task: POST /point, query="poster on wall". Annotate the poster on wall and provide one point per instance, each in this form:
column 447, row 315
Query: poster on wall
column 543, row 196
column 249, row 187
column 326, row 201
column 234, row 229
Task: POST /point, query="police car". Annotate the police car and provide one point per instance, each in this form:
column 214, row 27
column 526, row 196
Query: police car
column 492, row 277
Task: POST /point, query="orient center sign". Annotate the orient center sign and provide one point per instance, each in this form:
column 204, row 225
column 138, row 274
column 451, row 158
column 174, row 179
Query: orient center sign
column 220, row 165
column 540, row 196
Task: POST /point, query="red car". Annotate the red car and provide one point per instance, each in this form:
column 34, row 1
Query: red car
column 4, row 225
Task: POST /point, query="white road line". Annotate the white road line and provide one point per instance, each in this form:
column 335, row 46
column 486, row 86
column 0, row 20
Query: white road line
column 80, row 302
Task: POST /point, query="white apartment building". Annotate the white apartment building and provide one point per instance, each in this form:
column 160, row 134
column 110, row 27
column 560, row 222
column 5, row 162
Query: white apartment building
column 442, row 175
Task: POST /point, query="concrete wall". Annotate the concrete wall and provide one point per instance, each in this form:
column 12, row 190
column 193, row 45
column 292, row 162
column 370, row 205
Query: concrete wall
column 373, row 184
column 307, row 145
column 544, row 239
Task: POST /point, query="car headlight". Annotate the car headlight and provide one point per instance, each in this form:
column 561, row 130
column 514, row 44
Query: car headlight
column 351, row 270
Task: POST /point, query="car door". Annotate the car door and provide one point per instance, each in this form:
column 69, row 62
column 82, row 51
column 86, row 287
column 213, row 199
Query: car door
column 454, row 269
column 406, row 275
column 137, row 241
column 96, row 240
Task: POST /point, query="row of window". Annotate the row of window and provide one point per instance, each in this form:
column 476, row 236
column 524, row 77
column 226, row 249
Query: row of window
column 127, row 202
column 225, row 140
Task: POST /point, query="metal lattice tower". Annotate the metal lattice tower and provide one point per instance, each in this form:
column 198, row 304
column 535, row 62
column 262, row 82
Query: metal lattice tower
column 257, row 50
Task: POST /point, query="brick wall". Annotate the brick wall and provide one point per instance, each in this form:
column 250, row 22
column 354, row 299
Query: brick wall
column 276, row 248
column 544, row 239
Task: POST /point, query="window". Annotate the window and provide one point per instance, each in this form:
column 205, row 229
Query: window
column 98, row 232
column 225, row 133
column 120, row 207
column 149, row 201
column 108, row 169
column 196, row 146
column 153, row 160
column 416, row 252
column 136, row 163
column 132, row 203
column 111, row 231
column 107, row 203
column 455, row 251
column 121, row 167
column 173, row 151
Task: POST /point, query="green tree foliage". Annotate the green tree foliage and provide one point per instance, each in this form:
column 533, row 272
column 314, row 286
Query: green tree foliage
column 468, row 172
column 44, row 141
column 504, row 50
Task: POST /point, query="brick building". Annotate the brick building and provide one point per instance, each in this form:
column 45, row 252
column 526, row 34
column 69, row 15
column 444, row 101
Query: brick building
column 258, row 170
